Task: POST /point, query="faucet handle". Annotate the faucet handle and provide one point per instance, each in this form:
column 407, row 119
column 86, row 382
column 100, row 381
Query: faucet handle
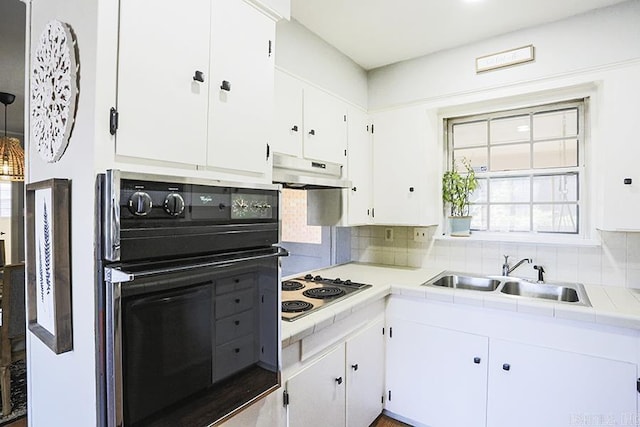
column 506, row 259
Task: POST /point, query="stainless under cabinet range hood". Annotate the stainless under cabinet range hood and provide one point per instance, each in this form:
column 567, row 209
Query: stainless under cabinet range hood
column 295, row 172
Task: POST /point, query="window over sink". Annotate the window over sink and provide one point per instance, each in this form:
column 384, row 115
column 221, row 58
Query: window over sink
column 530, row 166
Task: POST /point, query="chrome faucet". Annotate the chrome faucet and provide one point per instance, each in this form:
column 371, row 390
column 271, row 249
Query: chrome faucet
column 505, row 267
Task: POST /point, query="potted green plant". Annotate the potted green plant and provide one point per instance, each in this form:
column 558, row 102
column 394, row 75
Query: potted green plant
column 456, row 190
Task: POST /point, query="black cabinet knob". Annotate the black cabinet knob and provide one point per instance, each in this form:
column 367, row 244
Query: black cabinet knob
column 506, row 366
column 226, row 86
column 198, row 76
column 354, row 367
column 237, row 350
column 312, row 132
column 339, row 380
column 237, row 300
column 411, row 189
column 295, row 128
column 237, row 322
column 476, row 360
column 628, row 181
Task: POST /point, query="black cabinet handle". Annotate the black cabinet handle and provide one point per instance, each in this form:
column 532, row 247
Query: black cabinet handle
column 237, row 300
column 506, row 366
column 312, row 132
column 476, row 360
column 237, row 322
column 198, row 76
column 339, row 380
column 354, row 189
column 628, row 181
column 237, row 350
column 226, row 86
column 354, row 367
column 411, row 189
column 295, row 128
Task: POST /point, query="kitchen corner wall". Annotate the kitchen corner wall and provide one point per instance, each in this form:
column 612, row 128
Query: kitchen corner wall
column 615, row 263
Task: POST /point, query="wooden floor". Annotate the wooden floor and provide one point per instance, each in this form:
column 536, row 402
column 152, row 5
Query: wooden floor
column 384, row 421
column 22, row 422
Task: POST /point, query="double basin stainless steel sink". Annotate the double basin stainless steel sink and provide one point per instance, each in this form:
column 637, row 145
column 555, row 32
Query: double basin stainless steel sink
column 570, row 293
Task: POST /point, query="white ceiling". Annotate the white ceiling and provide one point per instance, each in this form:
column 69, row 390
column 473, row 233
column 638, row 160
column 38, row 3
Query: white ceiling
column 374, row 33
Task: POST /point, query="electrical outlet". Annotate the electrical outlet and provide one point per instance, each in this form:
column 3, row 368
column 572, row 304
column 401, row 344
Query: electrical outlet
column 388, row 234
column 420, row 234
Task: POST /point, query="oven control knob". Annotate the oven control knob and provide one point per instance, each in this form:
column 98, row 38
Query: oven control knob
column 174, row 204
column 140, row 203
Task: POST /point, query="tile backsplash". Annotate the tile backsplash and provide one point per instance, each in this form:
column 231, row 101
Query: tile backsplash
column 615, row 263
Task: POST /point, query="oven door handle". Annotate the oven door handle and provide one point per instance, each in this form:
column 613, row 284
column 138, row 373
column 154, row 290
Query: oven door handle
column 117, row 275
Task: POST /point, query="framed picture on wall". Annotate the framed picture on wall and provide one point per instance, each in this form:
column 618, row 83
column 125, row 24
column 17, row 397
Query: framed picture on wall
column 48, row 263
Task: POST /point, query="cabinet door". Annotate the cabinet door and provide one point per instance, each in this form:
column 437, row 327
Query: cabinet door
column 405, row 167
column 317, row 393
column 241, row 88
column 162, row 109
column 288, row 130
column 436, row 376
column 544, row 387
column 365, row 376
column 360, row 170
column 325, row 126
column 618, row 157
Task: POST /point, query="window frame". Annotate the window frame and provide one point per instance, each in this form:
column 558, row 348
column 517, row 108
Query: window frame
column 581, row 104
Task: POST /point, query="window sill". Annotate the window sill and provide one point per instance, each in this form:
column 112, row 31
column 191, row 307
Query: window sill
column 523, row 239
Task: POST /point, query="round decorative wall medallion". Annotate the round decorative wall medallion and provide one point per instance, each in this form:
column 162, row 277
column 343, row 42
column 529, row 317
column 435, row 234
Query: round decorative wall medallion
column 54, row 90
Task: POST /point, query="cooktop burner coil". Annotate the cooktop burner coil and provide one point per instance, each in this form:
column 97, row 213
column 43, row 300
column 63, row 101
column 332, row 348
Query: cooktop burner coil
column 291, row 285
column 323, row 293
column 295, row 306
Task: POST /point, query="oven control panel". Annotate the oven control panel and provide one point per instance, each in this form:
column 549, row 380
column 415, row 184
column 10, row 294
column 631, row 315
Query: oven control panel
column 151, row 200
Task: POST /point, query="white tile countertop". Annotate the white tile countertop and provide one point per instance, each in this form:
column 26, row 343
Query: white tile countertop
column 612, row 306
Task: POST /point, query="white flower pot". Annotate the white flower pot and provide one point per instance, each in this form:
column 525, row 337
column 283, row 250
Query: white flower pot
column 459, row 226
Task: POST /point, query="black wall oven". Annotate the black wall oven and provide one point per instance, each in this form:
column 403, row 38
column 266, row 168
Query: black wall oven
column 191, row 299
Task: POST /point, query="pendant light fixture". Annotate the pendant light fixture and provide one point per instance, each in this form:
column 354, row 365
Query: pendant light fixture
column 11, row 153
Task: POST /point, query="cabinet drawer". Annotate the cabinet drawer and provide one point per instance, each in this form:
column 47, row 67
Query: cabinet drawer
column 234, row 356
column 234, row 326
column 235, row 283
column 235, row 302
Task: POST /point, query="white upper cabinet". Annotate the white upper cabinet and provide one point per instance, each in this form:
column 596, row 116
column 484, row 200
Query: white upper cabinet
column 288, row 129
column 325, row 126
column 310, row 123
column 619, row 151
column 162, row 109
column 360, row 168
column 241, row 86
column 406, row 168
column 195, row 83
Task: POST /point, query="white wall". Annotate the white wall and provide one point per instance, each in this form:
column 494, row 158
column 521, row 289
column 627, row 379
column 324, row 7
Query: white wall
column 582, row 43
column 305, row 55
column 62, row 388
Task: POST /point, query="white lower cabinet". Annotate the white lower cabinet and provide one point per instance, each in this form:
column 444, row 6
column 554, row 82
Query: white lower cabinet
column 441, row 377
column 531, row 386
column 365, row 376
column 343, row 387
column 436, row 376
column 317, row 393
